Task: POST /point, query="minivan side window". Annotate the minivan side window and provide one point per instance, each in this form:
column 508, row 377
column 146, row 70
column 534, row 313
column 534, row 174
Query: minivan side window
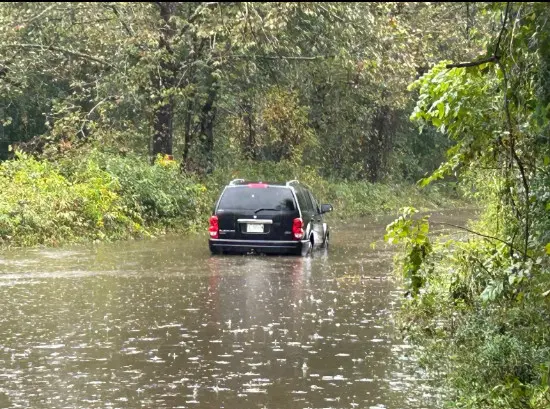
column 301, row 198
column 316, row 207
column 308, row 206
column 309, row 202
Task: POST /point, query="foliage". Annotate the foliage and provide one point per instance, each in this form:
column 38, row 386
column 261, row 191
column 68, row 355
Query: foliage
column 40, row 206
column 216, row 82
column 481, row 312
column 349, row 198
column 158, row 193
column 102, row 197
column 414, row 235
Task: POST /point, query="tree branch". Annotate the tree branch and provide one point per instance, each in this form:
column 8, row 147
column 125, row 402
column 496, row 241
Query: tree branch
column 282, row 57
column 330, row 13
column 504, row 21
column 59, row 49
column 30, row 20
column 196, row 14
column 4, row 70
column 482, row 235
column 514, row 157
column 493, row 59
column 129, row 31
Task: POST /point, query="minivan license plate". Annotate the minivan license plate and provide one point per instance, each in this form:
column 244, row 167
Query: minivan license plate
column 254, row 228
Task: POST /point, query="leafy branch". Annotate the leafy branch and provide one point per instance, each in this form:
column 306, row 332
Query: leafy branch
column 510, row 245
column 60, row 50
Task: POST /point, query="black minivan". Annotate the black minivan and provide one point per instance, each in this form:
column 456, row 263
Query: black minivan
column 260, row 217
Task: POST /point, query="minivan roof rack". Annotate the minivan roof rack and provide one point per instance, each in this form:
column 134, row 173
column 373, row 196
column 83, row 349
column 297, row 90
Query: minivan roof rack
column 290, row 182
column 236, row 181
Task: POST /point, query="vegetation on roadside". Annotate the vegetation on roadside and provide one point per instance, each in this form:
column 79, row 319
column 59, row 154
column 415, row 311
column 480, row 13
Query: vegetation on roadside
column 106, row 196
column 479, row 305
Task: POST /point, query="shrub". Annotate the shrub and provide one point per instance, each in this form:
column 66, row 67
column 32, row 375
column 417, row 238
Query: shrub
column 39, row 205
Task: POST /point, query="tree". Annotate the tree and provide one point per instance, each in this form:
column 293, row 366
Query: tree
column 196, row 79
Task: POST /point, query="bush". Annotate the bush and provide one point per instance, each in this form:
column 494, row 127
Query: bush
column 481, row 318
column 95, row 196
column 349, row 198
column 39, row 205
column 158, row 193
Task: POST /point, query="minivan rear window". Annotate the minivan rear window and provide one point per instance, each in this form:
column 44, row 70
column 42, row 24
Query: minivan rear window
column 246, row 198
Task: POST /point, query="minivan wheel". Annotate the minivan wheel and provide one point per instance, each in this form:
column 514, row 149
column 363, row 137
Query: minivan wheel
column 326, row 242
column 311, row 244
column 305, row 249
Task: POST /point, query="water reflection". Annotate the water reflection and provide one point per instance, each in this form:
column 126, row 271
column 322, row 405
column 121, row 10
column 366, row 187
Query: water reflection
column 164, row 324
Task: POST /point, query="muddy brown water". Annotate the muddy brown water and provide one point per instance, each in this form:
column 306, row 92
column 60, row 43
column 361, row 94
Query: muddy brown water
column 163, row 324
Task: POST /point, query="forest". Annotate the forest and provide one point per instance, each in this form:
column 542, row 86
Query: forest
column 122, row 120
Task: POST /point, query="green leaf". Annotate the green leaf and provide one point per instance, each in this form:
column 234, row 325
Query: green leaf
column 547, row 248
column 492, row 291
column 441, row 109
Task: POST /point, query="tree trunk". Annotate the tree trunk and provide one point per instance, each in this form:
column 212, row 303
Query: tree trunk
column 164, row 80
column 379, row 144
column 187, row 135
column 248, row 117
column 162, row 139
column 208, row 115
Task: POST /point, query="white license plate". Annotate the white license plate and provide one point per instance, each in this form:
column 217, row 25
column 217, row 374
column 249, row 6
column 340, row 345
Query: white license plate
column 254, row 228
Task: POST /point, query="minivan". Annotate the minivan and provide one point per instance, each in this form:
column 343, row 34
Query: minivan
column 283, row 218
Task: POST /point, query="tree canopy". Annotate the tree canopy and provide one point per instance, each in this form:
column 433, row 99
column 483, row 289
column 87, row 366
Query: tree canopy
column 208, row 82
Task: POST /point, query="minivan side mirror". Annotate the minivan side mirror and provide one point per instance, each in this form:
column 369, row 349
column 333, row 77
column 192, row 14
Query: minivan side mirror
column 325, row 208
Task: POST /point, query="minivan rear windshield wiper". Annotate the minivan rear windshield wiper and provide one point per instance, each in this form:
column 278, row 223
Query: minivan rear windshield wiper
column 262, row 208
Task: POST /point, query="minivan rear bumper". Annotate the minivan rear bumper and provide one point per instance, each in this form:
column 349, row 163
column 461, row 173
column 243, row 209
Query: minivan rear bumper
column 259, row 246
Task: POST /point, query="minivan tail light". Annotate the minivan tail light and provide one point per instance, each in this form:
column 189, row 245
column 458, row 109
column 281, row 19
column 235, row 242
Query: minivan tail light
column 214, row 227
column 298, row 229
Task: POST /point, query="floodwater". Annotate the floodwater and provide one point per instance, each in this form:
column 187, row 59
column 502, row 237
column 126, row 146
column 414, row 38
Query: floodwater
column 163, row 324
